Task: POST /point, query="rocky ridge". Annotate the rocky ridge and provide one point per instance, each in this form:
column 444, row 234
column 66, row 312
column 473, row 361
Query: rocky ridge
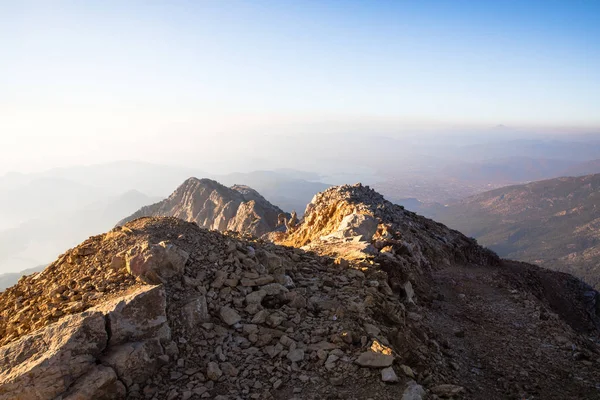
column 214, row 206
column 379, row 303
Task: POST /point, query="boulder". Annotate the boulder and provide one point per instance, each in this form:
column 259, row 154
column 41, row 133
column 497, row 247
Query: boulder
column 357, row 225
column 61, row 359
column 156, row 263
column 137, row 316
column 46, row 363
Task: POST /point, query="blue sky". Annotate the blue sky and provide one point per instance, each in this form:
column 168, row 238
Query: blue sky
column 112, row 72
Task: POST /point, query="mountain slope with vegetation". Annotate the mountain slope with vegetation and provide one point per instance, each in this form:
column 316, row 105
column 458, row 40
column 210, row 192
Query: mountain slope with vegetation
column 554, row 223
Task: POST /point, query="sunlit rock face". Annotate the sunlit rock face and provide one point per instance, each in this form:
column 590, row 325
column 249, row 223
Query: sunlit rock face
column 214, row 206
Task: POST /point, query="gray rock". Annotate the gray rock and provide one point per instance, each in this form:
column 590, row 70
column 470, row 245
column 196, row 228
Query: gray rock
column 296, row 355
column 156, row 263
column 100, row 382
column 137, row 316
column 374, row 360
column 195, row 313
column 407, row 371
column 134, row 362
column 372, row 330
column 413, row 391
column 447, row 390
column 388, row 375
column 46, row 363
column 229, row 316
column 273, row 289
column 213, row 372
column 256, row 297
column 409, row 291
column 357, row 225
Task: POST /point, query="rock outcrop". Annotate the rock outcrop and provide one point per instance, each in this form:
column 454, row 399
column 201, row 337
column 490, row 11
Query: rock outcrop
column 214, row 206
column 98, row 353
column 379, row 303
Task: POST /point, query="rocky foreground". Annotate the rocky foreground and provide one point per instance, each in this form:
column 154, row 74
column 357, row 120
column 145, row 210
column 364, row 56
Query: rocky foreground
column 364, row 300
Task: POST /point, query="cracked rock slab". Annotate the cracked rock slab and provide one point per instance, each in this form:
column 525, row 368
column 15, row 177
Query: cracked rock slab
column 45, row 363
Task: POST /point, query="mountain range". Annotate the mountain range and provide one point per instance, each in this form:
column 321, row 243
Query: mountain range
column 362, row 299
column 35, row 208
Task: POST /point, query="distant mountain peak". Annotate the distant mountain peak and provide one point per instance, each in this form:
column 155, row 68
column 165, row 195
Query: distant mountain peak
column 215, row 206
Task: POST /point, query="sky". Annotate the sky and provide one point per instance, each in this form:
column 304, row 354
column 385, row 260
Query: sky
column 168, row 81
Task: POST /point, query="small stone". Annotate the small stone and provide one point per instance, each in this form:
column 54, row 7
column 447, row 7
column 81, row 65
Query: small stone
column 273, row 289
column 413, row 391
column 256, row 297
column 186, row 395
column 213, row 372
column 374, row 360
column 372, row 330
column 275, row 319
column 459, row 333
column 296, row 355
column 388, row 375
column 407, row 371
column 229, row 316
column 447, row 390
column 220, row 277
column 337, row 380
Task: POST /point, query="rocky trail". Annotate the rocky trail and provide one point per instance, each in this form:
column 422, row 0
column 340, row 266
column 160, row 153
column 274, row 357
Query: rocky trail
column 363, row 300
column 505, row 345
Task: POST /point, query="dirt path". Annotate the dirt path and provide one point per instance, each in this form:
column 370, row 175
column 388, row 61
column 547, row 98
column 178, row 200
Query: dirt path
column 505, row 344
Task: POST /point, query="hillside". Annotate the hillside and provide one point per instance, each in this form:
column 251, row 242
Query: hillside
column 214, row 206
column 554, row 223
column 382, row 304
column 584, row 168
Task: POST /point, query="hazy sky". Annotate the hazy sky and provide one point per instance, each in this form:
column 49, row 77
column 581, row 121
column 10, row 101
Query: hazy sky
column 91, row 81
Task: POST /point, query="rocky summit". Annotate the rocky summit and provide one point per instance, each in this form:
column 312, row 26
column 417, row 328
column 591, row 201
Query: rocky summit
column 360, row 300
column 214, row 206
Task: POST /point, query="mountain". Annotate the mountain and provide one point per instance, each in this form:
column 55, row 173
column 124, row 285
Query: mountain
column 41, row 197
column 514, row 169
column 215, row 206
column 121, row 176
column 40, row 239
column 34, row 207
column 366, row 300
column 534, row 148
column 585, row 168
column 554, row 223
column 289, row 189
column 11, row 278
